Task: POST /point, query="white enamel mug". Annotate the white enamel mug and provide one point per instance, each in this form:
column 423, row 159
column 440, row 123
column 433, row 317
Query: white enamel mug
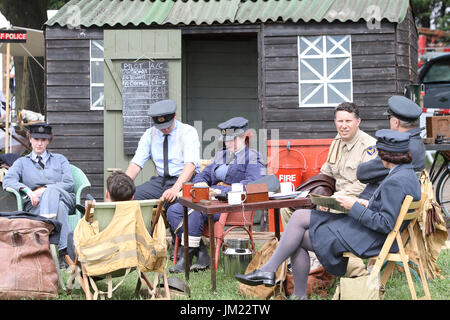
column 236, row 197
column 287, row 187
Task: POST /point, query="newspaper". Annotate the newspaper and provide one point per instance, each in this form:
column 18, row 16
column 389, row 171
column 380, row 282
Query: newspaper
column 328, row 202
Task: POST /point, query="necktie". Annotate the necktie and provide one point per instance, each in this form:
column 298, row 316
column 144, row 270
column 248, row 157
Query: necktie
column 39, row 158
column 166, row 157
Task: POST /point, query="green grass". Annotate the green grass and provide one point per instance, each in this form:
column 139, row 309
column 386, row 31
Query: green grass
column 227, row 287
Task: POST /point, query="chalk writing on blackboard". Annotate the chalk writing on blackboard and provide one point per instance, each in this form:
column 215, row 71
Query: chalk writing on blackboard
column 143, row 83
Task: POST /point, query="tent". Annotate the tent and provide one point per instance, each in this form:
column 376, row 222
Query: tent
column 33, row 47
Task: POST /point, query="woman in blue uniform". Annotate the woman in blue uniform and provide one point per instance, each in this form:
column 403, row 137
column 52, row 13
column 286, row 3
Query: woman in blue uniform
column 236, row 163
column 362, row 231
column 47, row 181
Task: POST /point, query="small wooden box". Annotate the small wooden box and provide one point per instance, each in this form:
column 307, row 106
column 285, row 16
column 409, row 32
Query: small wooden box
column 438, row 125
column 257, row 192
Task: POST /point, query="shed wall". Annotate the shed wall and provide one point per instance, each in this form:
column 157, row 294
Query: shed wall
column 384, row 59
column 78, row 131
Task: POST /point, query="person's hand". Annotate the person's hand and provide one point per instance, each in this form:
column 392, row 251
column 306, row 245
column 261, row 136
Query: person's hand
column 346, row 202
column 39, row 191
column 33, row 197
column 170, row 195
column 363, row 202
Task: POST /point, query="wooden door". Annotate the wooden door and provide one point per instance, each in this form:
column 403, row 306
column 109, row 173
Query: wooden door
column 131, row 46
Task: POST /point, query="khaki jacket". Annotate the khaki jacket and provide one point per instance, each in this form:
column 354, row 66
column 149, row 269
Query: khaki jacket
column 343, row 160
column 124, row 243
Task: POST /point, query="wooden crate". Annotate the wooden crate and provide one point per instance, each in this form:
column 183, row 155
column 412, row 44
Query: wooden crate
column 438, row 125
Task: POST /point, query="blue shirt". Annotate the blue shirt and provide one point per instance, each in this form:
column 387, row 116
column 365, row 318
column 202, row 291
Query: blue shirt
column 184, row 147
column 26, row 172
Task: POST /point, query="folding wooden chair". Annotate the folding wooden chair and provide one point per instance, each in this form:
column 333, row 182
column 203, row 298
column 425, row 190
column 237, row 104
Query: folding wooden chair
column 408, row 212
column 102, row 213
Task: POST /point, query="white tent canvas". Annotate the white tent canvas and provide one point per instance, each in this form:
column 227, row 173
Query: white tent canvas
column 34, row 45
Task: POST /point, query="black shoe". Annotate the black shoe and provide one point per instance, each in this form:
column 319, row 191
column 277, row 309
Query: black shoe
column 256, row 278
column 202, row 260
column 179, row 267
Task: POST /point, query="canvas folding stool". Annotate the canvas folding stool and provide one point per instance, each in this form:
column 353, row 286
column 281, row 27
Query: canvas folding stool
column 114, row 238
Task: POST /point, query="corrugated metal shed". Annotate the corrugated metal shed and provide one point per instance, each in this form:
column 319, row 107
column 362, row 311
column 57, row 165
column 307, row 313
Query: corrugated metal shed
column 87, row 13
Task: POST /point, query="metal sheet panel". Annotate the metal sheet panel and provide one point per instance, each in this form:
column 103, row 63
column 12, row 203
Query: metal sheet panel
column 86, row 13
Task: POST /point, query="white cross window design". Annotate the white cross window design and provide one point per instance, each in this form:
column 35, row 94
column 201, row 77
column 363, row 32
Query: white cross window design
column 324, row 71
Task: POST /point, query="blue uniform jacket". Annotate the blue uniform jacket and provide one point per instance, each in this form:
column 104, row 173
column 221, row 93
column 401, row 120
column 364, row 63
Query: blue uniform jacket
column 365, row 229
column 373, row 172
column 245, row 167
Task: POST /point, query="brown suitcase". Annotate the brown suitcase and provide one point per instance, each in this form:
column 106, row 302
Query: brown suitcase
column 27, row 269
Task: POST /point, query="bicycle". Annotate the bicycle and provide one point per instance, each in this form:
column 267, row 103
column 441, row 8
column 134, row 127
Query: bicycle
column 442, row 191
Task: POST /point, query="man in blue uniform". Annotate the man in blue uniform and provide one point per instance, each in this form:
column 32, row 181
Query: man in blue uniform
column 403, row 117
column 173, row 146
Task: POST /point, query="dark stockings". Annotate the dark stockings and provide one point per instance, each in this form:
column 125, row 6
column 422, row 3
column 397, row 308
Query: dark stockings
column 295, row 244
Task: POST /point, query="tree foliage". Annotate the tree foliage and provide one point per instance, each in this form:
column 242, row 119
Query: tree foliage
column 432, row 11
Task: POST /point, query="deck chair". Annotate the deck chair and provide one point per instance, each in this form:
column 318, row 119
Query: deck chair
column 113, row 248
column 408, row 212
column 81, row 182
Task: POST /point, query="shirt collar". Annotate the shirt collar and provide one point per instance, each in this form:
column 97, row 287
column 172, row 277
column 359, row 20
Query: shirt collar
column 159, row 132
column 352, row 142
column 44, row 156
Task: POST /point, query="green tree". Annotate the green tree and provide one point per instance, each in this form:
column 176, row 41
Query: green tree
column 426, row 11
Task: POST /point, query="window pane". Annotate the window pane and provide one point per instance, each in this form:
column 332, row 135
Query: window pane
column 339, row 92
column 312, row 93
column 333, row 64
column 315, row 42
column 97, row 72
column 439, row 71
column 97, row 98
column 308, row 65
column 97, row 49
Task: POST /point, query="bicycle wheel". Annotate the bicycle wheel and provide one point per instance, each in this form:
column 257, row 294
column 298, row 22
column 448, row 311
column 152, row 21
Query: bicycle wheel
column 443, row 192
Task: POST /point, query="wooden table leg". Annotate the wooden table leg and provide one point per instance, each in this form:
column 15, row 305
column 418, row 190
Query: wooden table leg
column 212, row 251
column 276, row 216
column 186, row 244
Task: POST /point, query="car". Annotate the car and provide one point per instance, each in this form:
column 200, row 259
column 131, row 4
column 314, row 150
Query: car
column 435, row 76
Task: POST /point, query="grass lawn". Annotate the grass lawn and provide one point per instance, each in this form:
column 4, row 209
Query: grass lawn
column 200, row 286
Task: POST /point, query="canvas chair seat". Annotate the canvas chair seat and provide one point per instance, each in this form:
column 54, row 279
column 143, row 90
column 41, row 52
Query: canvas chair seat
column 114, row 238
column 408, row 212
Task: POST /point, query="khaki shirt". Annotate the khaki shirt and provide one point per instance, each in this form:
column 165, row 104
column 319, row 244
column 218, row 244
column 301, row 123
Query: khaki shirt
column 344, row 158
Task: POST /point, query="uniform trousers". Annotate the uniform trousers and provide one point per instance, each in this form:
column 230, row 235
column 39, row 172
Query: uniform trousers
column 53, row 200
column 154, row 188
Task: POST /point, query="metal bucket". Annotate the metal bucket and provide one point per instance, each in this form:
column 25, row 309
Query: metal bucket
column 236, row 256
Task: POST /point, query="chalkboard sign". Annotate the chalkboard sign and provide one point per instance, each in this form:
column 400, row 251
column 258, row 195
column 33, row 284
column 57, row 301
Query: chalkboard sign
column 143, row 82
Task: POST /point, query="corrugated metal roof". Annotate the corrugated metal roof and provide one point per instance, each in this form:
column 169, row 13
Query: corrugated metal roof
column 87, row 13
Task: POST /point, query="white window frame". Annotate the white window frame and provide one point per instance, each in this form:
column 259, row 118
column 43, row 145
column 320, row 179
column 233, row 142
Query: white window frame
column 326, row 81
column 95, row 84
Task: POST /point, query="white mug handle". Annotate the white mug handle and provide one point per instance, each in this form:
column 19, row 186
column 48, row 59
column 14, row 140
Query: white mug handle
column 293, row 187
column 245, row 198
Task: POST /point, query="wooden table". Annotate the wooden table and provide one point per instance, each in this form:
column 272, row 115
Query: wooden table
column 220, row 207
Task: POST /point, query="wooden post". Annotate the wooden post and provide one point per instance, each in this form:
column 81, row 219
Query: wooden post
column 24, row 82
column 8, row 48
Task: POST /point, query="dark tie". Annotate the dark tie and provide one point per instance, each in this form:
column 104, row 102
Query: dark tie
column 39, row 158
column 166, row 157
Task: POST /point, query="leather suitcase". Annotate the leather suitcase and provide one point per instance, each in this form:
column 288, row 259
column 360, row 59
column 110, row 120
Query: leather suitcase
column 27, row 269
